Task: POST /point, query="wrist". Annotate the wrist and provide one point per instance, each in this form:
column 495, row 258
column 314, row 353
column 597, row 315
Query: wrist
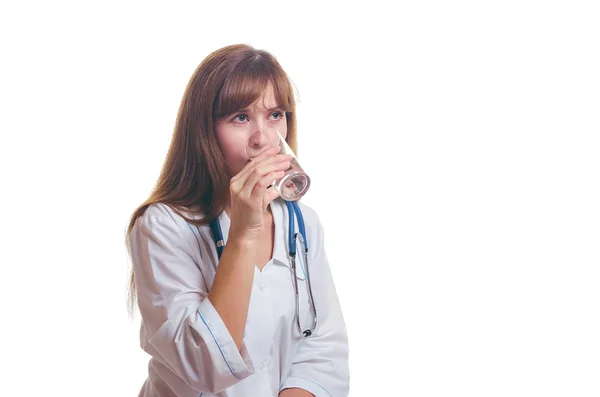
column 245, row 238
column 243, row 243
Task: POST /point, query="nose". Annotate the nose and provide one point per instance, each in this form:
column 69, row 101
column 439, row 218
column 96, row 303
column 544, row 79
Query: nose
column 261, row 136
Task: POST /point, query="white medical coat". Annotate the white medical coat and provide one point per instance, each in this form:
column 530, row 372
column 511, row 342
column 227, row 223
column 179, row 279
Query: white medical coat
column 192, row 352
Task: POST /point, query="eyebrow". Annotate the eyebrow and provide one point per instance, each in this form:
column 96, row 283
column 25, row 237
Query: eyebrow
column 268, row 109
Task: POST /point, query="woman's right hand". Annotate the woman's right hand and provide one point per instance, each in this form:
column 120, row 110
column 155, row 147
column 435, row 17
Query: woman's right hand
column 250, row 194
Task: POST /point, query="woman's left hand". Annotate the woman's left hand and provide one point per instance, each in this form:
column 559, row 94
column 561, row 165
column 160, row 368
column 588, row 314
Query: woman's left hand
column 295, row 392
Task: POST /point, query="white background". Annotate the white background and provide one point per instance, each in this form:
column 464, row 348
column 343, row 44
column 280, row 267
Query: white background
column 454, row 152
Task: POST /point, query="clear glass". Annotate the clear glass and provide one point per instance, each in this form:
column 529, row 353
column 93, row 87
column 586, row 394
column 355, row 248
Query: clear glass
column 295, row 182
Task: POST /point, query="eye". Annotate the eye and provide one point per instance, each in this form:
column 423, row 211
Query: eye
column 277, row 115
column 241, row 118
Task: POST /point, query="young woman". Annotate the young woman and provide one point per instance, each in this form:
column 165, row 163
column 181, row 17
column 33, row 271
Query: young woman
column 227, row 320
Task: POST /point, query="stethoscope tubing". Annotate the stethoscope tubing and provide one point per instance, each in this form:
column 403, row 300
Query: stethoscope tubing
column 293, row 208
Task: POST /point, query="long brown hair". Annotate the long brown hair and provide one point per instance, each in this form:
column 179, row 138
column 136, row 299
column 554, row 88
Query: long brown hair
column 194, row 173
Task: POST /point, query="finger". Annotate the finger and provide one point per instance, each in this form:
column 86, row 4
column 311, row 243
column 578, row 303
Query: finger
column 261, row 170
column 249, row 167
column 249, row 177
column 261, row 186
column 254, row 160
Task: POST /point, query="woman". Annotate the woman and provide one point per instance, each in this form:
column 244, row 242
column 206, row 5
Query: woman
column 225, row 324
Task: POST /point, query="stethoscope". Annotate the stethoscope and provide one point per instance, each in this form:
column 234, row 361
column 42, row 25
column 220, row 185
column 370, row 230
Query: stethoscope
column 293, row 207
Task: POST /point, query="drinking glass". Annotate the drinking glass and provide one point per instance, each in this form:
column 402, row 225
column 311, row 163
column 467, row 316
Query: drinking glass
column 295, row 182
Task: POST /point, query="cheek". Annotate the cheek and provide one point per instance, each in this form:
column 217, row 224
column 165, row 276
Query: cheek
column 283, row 130
column 234, row 154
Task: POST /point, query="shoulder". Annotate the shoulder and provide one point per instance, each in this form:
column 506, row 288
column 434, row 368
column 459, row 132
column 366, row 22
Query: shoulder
column 162, row 218
column 309, row 213
column 162, row 210
column 312, row 222
column 155, row 214
column 158, row 210
column 163, row 229
column 165, row 212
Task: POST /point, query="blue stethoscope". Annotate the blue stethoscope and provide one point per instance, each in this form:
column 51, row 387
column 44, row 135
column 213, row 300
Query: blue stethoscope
column 293, row 207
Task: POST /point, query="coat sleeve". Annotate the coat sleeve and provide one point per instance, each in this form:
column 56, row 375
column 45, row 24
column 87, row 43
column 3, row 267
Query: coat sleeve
column 320, row 365
column 180, row 327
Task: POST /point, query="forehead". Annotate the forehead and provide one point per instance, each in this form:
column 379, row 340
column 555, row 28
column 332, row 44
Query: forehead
column 251, row 93
column 267, row 99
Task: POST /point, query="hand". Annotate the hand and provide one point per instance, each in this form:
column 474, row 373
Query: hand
column 295, row 392
column 249, row 193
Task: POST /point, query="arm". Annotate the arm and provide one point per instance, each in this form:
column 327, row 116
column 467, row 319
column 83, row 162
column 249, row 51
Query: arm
column 232, row 287
column 181, row 328
column 320, row 365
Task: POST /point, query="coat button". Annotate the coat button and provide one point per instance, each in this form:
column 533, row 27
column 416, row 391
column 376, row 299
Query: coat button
column 263, row 285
